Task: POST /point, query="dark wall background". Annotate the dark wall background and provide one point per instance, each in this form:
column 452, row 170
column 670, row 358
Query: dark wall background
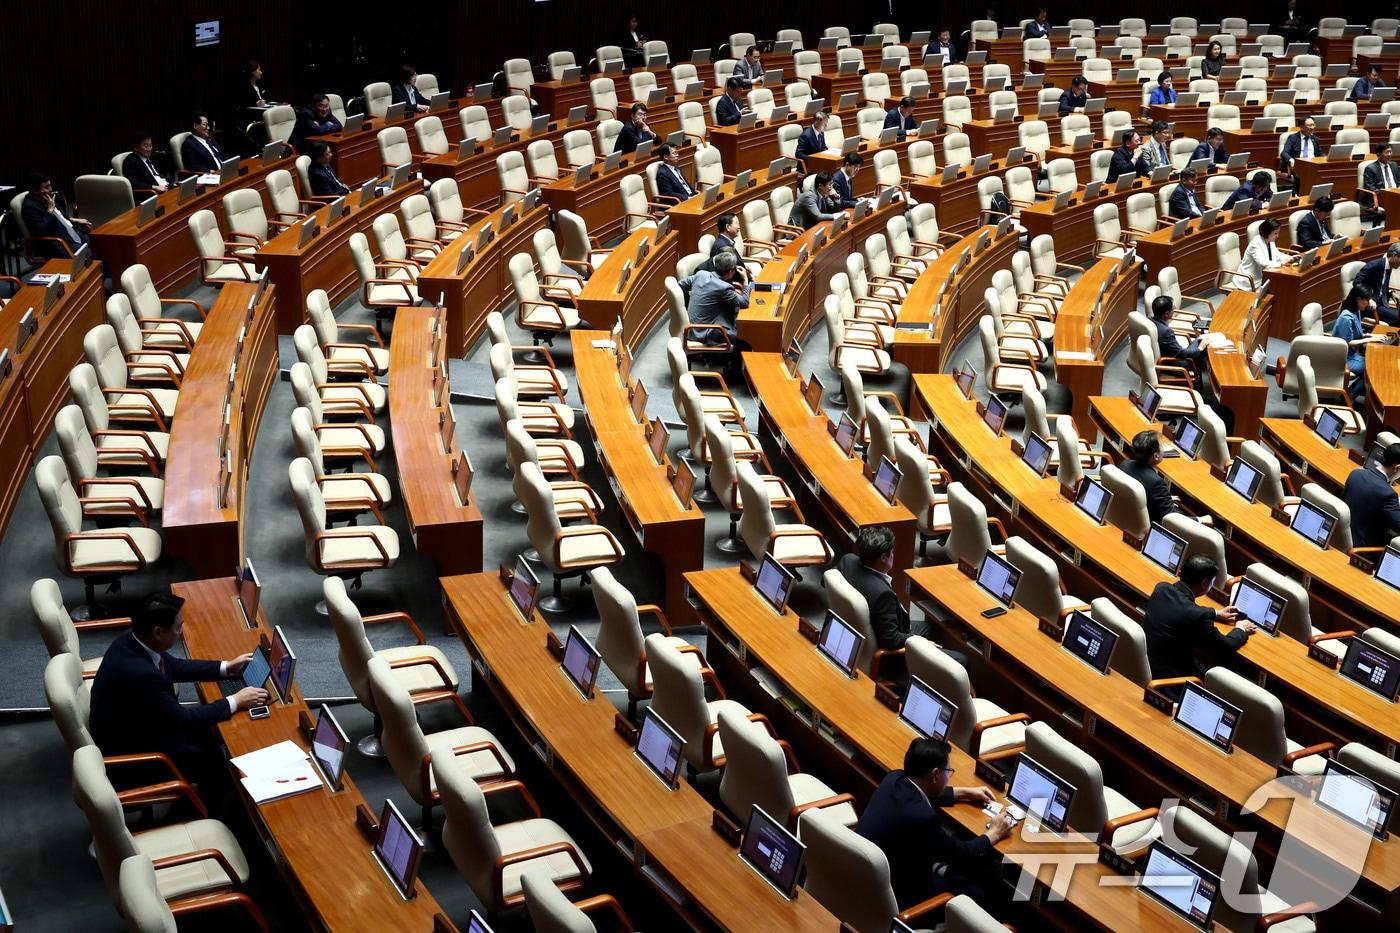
column 112, row 66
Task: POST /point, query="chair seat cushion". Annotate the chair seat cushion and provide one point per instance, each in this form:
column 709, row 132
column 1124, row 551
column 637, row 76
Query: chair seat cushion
column 336, row 551
column 1309, row 764
column 997, row 737
column 227, row 272
column 799, row 549
column 97, row 552
column 1015, row 379
column 338, row 399
column 482, row 764
column 532, row 382
column 806, row 788
column 165, row 400
column 1177, row 399
column 534, row 317
column 342, row 487
column 166, row 334
column 587, row 550
column 108, row 448
column 392, row 295
column 160, row 367
column 374, row 356
column 569, row 504
column 419, row 677
column 538, row 417
column 153, row 487
column 1135, row 836
column 719, row 404
column 352, row 437
column 867, row 359
column 531, row 834
column 193, row 836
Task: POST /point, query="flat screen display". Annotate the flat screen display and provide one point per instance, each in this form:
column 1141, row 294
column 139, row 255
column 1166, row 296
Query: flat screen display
column 1041, row 794
column 1313, row 523
column 581, row 661
column 927, row 711
column 994, row 415
column 1164, row 549
column 659, row 747
column 1260, row 605
column 1181, row 884
column 840, row 643
column 887, row 479
column 774, row 583
column 1210, row 717
column 1036, row 454
column 1356, row 798
column 284, row 664
column 398, row 849
column 1373, row 668
column 1089, row 641
column 524, row 585
column 846, row 432
column 1244, row 479
column 1093, row 499
column 772, row 851
column 328, row 743
column 998, row 577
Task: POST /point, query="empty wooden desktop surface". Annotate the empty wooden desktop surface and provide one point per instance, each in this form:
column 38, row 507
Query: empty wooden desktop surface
column 312, row 837
column 575, row 739
column 1305, row 457
column 671, row 530
column 164, row 244
column 478, row 184
column 1227, row 371
column 37, row 384
column 641, row 300
column 197, row 524
column 1073, row 225
column 444, row 528
column 1079, row 356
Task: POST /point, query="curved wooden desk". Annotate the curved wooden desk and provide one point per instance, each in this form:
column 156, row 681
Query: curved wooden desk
column 1227, row 371
column 444, row 528
column 1305, row 456
column 203, row 524
column 478, row 184
column 312, row 837
column 599, row 201
column 1382, row 389
column 693, row 218
column 639, row 301
column 1321, row 282
column 955, row 201
column 665, row 834
column 355, row 156
column 1085, row 332
column 1073, row 225
column 671, row 530
column 37, row 385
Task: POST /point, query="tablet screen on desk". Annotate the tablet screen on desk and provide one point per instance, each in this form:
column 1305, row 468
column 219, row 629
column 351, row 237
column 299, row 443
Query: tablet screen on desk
column 1089, row 641
column 1041, row 794
column 1164, row 549
column 283, row 662
column 658, row 439
column 927, row 711
column 1188, row 437
column 638, row 397
column 1244, row 479
column 846, row 434
column 1093, row 499
column 1356, row 798
column 887, row 479
column 398, row 849
column 1313, row 523
column 1329, row 426
column 998, row 577
column 581, row 661
column 840, row 643
column 1388, row 570
column 1149, row 402
column 523, row 587
column 1181, row 884
column 682, row 483
column 995, row 414
column 966, row 379
column 1259, row 605
column 1373, row 456
column 477, row 925
column 659, row 746
column 774, row 853
column 812, row 391
column 1371, row 667
column 328, row 743
column 1036, row 454
column 1210, row 717
column 774, row 583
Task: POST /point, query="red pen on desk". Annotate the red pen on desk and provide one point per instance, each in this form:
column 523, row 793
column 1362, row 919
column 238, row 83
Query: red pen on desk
column 292, row 780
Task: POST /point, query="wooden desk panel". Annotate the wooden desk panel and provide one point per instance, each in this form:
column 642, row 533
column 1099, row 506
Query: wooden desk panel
column 355, row 156
column 1382, row 390
column 740, row 149
column 1321, row 282
column 444, row 528
column 557, row 98
column 1306, row 457
column 1228, row 370
column 617, row 792
column 1073, row 225
column 642, row 300
column 164, row 244
column 484, row 285
column 1009, row 52
column 1194, row 121
column 313, row 837
column 1118, row 95
column 1079, row 354
column 1341, row 175
column 865, row 181
column 1262, row 148
column 955, row 201
column 325, row 262
column 1193, row 254
column 199, row 527
column 692, row 219
column 599, row 201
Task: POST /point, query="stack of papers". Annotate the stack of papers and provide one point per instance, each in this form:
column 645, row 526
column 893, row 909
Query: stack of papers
column 281, row 770
column 44, row 278
column 209, row 179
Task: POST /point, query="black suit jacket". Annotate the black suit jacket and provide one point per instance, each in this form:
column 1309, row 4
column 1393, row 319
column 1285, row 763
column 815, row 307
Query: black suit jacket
column 908, row 123
column 1175, row 627
column 1170, row 347
column 630, row 138
column 134, row 169
column 1124, row 164
column 1218, row 156
column 1069, row 101
column 197, row 158
column 913, row 834
column 1179, row 207
column 727, row 112
column 1371, row 178
column 844, row 195
column 936, row 48
column 1311, row 233
column 407, row 95
column 1037, row 30
column 134, row 707
column 1375, row 511
column 309, row 125
column 40, row 223
column 1372, row 275
column 324, row 181
column 1293, row 148
column 809, row 142
column 888, row 619
column 667, row 185
column 1159, row 495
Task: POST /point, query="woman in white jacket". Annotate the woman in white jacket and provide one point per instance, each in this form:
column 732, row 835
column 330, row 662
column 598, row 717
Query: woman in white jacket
column 1262, row 253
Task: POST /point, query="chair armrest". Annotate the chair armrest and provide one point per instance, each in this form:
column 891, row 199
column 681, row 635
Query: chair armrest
column 1321, row 748
column 195, row 857
column 653, row 609
column 186, row 301
column 115, row 622
column 136, row 556
column 708, row 748
column 554, row 309
column 1161, row 682
column 322, row 536
column 984, row 725
column 177, row 787
column 581, row 531
column 925, row 907
column 600, row 901
column 529, row 855
column 403, row 617
column 795, row 814
column 1331, row 636
column 1127, row 819
column 215, row 900
column 148, row 453
column 1268, row 920
column 878, row 658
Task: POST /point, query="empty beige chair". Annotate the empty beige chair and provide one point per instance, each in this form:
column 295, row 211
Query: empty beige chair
column 516, row 110
column 346, row 395
column 551, row 263
column 127, row 446
column 1227, row 856
column 105, row 354
column 219, row 259
column 1327, row 357
column 544, row 164
column 378, row 96
column 432, row 138
column 451, row 215
column 329, row 333
column 709, row 168
column 979, row 727
column 492, row 859
column 423, row 228
column 957, row 110
column 551, row 911
column 1128, row 507
column 149, row 365
column 578, row 149
column 59, row 630
column 1260, row 730
column 792, row 545
column 637, row 211
column 417, row 758
column 968, row 537
column 1095, row 807
column 206, row 855
column 1129, row 656
column 787, row 140
column 756, row 774
column 807, row 64
column 853, row 342
column 543, row 319
column 394, row 149
column 563, row 551
column 344, row 552
column 1040, row 591
column 149, row 306
column 620, row 640
column 247, row 220
column 916, row 490
column 513, row 177
column 573, row 500
column 720, row 447
column 679, row 679
column 346, row 493
column 1271, row 487
column 146, row 910
column 538, row 417
column 579, row 250
column 607, row 132
column 791, row 35
column 1007, row 370
column 602, row 93
column 384, row 286
column 104, row 497
column 1110, row 242
column 1036, row 50
column 1309, row 406
column 1114, row 123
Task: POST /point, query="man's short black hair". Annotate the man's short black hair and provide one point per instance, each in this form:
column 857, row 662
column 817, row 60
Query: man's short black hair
column 734, row 84
column 906, row 102
column 157, row 611
column 822, row 180
column 1160, row 125
column 925, row 756
column 725, row 220
column 35, row 180
column 1214, row 132
column 407, row 72
column 1198, row 569
column 637, row 108
column 139, row 137
column 663, row 150
column 750, row 50
column 1145, row 446
column 1162, row 306
column 1078, row 81
column 874, row 542
column 854, row 158
column 1381, row 147
column 196, row 117
column 318, row 149
column 1260, row 179
column 316, row 98
column 1323, row 205
column 1391, row 455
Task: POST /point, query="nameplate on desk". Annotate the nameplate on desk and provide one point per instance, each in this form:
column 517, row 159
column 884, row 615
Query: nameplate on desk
column 747, row 572
column 1117, row 863
column 624, row 728
column 989, row 774
column 28, row 326
column 1322, row 656
column 306, row 724
column 1132, row 540
column 967, row 568
column 1158, row 701
column 727, row 829
column 1052, row 627
column 1279, row 515
column 553, row 645
column 366, row 822
column 807, row 630
column 886, row 696
column 7, row 364
column 308, row 232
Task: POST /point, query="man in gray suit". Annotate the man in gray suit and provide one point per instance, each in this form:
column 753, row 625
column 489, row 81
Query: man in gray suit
column 750, row 67
column 715, row 298
column 812, row 207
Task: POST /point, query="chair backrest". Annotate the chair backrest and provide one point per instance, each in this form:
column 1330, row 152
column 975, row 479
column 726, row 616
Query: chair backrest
column 1071, row 469
column 968, row 538
column 957, row 110
column 756, row 523
column 1036, row 50
column 791, row 35
column 1262, row 459
column 875, row 86
column 1129, row 656
column 1039, row 590
column 1087, row 809
column 550, row 909
column 282, row 193
column 94, row 795
column 1311, row 320
column 513, row 176
column 1035, row 136
column 1260, row 728
column 957, row 149
column 1346, row 219
column 807, row 63
column 634, row 202
column 848, row 874
column 870, row 121
column 678, row 695
column 208, row 241
column 516, row 110
column 755, row 771
column 543, row 163
column 402, row 737
column 1296, row 619
column 933, row 666
column 641, row 84
column 1132, row 27
column 911, row 78
column 378, row 96
column 311, row 506
column 1128, row 507
column 467, row 834
column 103, row 197
column 619, row 638
column 558, row 61
column 279, row 122
column 432, row 138
column 1221, row 853
column 79, row 453
column 787, row 138
column 355, row 650
column 1098, row 69
column 67, row 698
column 243, row 210
column 848, row 603
column 578, row 148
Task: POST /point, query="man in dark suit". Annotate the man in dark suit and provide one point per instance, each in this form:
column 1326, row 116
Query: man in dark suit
column 1303, row 144
column 903, row 819
column 45, row 217
column 1169, row 345
column 1378, row 176
column 199, row 152
column 750, row 67
column 843, row 181
column 726, row 233
column 139, row 168
column 406, row 91
column 1212, row 147
column 813, row 138
column 1038, row 28
column 1146, row 455
column 315, row 119
column 730, row 109
column 319, row 173
column 634, row 131
column 671, row 183
column 869, row 570
column 1128, row 158
column 1255, row 190
column 1375, row 511
column 812, row 207
column 902, row 117
column 1184, row 201
column 1376, row 275
column 134, row 705
column 1176, row 626
column 1075, row 97
column 1315, row 228
column 1366, row 85
column 942, row 48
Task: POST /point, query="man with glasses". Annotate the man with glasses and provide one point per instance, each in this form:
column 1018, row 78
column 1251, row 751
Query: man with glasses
column 903, row 818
